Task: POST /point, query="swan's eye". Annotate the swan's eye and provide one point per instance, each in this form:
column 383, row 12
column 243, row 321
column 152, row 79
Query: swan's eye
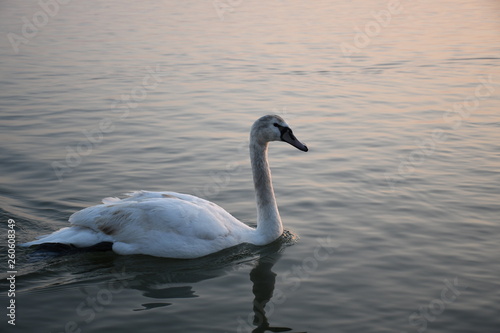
column 276, row 125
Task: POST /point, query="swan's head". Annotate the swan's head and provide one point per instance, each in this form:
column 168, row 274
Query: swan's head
column 274, row 128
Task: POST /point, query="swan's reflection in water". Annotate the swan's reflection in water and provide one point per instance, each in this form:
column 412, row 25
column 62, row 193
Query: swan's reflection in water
column 158, row 285
column 264, row 280
column 163, row 281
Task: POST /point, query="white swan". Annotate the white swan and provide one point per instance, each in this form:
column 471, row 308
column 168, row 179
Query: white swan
column 174, row 225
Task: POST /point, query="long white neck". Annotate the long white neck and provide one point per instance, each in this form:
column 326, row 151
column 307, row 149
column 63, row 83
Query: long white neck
column 269, row 226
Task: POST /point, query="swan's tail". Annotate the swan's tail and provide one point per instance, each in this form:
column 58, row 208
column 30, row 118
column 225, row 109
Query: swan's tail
column 76, row 236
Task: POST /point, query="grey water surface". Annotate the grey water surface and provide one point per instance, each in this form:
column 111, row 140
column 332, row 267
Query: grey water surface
column 392, row 217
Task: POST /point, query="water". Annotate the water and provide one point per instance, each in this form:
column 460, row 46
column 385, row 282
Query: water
column 392, row 214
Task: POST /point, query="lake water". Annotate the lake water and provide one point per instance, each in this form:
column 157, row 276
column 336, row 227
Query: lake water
column 392, row 217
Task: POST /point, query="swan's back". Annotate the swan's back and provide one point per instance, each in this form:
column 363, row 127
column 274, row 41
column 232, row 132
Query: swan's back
column 164, row 224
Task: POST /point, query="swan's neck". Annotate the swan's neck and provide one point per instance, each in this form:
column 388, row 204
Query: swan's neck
column 269, row 225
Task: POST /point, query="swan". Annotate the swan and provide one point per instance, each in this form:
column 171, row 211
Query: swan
column 175, row 225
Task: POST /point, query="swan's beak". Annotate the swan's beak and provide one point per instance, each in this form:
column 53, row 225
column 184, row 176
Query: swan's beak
column 287, row 136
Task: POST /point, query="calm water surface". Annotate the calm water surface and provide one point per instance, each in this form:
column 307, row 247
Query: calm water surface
column 392, row 216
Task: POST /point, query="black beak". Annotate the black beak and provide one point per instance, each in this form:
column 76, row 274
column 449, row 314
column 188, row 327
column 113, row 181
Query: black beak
column 287, row 136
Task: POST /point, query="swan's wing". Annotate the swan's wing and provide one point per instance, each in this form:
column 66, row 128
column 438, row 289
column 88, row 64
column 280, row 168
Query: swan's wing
column 152, row 222
column 110, row 200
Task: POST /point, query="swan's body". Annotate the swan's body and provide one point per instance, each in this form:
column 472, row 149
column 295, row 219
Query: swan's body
column 174, row 225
